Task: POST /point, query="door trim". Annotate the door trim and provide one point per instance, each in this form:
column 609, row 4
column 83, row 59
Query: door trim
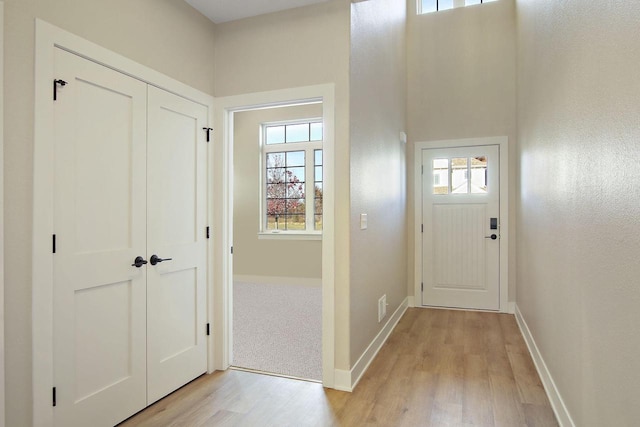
column 503, row 145
column 48, row 38
column 225, row 107
column 2, row 366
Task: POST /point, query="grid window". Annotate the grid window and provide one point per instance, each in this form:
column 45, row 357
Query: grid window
column 293, row 177
column 428, row 6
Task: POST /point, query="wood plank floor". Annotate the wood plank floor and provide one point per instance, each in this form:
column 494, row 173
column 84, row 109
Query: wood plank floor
column 438, row 368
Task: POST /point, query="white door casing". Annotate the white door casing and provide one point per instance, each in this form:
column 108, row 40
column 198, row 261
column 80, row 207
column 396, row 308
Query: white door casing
column 460, row 261
column 177, row 182
column 100, row 227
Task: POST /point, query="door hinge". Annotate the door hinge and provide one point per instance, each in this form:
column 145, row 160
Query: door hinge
column 208, row 131
column 231, row 250
column 421, row 287
column 208, row 329
column 53, row 243
column 422, row 167
column 422, row 228
column 207, row 232
column 53, row 397
column 57, row 82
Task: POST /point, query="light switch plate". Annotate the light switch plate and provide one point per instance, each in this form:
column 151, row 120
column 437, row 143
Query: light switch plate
column 363, row 221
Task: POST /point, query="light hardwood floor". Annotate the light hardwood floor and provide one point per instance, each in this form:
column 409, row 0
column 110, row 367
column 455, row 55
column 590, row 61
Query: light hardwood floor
column 438, row 368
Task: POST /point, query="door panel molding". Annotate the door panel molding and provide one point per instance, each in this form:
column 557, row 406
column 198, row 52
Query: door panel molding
column 48, row 38
column 502, row 142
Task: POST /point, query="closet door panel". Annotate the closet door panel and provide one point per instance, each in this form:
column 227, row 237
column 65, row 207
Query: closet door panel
column 100, row 224
column 177, row 172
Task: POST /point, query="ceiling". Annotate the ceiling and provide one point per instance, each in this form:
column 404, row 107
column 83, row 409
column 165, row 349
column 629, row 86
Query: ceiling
column 229, row 10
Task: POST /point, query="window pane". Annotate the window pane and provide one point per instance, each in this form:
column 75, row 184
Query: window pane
column 318, row 157
column 276, row 176
column 295, row 175
column 318, row 173
column 275, row 135
column 316, row 131
column 276, row 206
column 273, row 222
column 459, row 175
column 275, row 160
column 295, row 191
column 479, row 175
column 295, row 158
column 429, row 6
column 318, row 222
column 297, row 133
column 296, row 222
column 440, row 176
column 471, row 2
column 445, row 4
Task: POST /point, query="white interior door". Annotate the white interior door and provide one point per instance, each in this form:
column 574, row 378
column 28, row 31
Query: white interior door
column 177, row 174
column 99, row 308
column 460, row 238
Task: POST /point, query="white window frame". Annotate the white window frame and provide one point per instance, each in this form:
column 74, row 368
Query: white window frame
column 456, row 4
column 309, row 163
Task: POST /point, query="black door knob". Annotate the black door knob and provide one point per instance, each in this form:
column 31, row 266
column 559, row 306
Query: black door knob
column 138, row 262
column 155, row 259
column 492, row 237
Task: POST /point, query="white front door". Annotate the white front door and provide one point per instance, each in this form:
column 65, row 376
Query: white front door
column 460, row 218
column 177, row 179
column 100, row 299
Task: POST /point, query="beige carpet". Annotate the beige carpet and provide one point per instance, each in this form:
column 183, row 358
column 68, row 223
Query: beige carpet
column 278, row 329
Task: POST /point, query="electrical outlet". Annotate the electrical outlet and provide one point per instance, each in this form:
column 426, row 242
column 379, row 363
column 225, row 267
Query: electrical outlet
column 382, row 307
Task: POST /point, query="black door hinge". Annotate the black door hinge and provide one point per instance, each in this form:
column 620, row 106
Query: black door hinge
column 53, row 397
column 207, row 232
column 208, row 131
column 208, row 329
column 422, row 228
column 57, row 82
column 231, row 250
column 53, row 243
column 422, row 287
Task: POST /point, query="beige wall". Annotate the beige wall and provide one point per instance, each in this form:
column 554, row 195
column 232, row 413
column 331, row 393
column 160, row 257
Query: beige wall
column 578, row 207
column 299, row 47
column 260, row 257
column 166, row 35
column 378, row 173
column 462, row 84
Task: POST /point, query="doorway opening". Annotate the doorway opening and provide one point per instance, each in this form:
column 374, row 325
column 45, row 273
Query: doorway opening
column 221, row 301
column 277, row 240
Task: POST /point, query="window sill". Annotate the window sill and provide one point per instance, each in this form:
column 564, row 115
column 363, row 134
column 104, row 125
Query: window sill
column 289, row 235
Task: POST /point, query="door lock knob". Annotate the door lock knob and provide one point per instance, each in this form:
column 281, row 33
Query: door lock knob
column 492, row 237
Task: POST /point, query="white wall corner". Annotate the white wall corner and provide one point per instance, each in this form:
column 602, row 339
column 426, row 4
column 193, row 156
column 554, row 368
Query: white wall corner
column 559, row 408
column 347, row 380
column 411, row 301
column 511, row 307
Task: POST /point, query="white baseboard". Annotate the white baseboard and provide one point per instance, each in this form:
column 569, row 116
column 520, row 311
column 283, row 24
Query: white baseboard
column 342, row 380
column 411, row 301
column 562, row 413
column 347, row 380
column 278, row 280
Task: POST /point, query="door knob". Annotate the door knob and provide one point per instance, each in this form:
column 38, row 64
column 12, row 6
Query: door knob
column 155, row 259
column 138, row 262
column 492, row 237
